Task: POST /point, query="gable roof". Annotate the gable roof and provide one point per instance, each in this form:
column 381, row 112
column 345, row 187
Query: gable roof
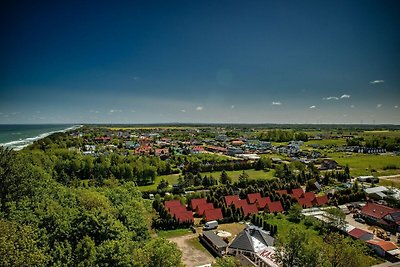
column 172, row 203
column 376, row 210
column 213, row 215
column 203, row 207
column 321, row 200
column 297, row 192
column 249, row 209
column 243, row 242
column 252, row 198
column 197, row 201
column 240, row 203
column 262, row 202
column 230, row 199
column 305, row 203
column 176, row 209
column 309, row 195
column 275, row 206
column 385, row 245
column 358, row 233
column 184, row 216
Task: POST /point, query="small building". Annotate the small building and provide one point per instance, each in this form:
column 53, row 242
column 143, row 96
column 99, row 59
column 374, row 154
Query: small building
column 297, row 192
column 229, row 200
column 274, row 207
column 253, row 198
column 213, row 215
column 385, row 249
column 262, row 202
column 305, row 203
column 214, row 243
column 360, row 234
column 328, row 164
column 194, row 202
column 320, row 200
column 249, row 209
column 203, row 207
column 386, row 217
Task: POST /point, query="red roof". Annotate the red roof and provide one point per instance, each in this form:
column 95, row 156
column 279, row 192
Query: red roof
column 172, row 203
column 297, row 192
column 184, row 216
column 197, row 201
column 262, row 202
column 214, row 214
column 282, row 192
column 249, row 209
column 275, row 206
column 321, row 200
column 203, row 207
column 305, row 203
column 376, row 210
column 176, row 209
column 309, row 195
column 231, row 199
column 240, row 203
column 252, row 198
column 357, row 233
column 385, row 245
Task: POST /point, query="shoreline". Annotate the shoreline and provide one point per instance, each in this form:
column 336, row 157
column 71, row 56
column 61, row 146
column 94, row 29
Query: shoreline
column 20, row 144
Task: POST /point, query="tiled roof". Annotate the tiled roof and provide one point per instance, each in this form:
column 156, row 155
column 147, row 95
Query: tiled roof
column 309, row 195
column 172, row 203
column 385, row 245
column 197, row 201
column 262, row 202
column 321, row 200
column 203, row 207
column 214, row 214
column 305, row 203
column 240, row 203
column 275, row 206
column 249, row 209
column 376, row 210
column 231, row 199
column 357, row 233
column 297, row 192
column 252, row 198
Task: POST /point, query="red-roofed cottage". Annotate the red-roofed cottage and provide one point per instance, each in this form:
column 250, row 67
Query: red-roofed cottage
column 231, row 199
column 252, row 198
column 249, row 209
column 262, row 202
column 297, row 192
column 275, row 206
column 320, row 200
column 172, row 203
column 197, row 201
column 214, row 214
column 360, row 234
column 203, row 207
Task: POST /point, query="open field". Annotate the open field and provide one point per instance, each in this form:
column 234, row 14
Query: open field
column 363, row 164
column 173, row 233
column 325, row 142
column 171, row 178
column 253, row 174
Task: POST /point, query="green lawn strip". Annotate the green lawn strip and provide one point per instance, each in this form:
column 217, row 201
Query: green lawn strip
column 173, row 233
column 253, row 174
column 363, row 164
column 171, row 178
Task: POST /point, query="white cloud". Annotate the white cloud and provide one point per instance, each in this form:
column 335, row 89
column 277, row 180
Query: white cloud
column 396, row 106
column 377, row 81
column 312, row 107
column 378, row 105
column 331, row 98
column 115, row 110
column 233, row 106
column 183, row 110
column 345, row 96
column 352, row 106
column 199, row 108
column 277, row 103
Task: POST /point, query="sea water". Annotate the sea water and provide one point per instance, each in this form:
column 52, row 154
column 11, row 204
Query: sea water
column 18, row 136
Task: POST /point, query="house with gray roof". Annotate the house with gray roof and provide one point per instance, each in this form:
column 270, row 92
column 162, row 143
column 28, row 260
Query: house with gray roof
column 255, row 244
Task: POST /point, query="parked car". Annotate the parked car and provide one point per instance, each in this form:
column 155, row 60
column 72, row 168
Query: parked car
column 360, row 220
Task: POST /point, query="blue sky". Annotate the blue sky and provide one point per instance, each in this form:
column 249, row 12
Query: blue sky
column 200, row 61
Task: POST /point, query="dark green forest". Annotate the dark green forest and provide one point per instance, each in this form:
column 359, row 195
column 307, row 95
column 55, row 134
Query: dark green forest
column 44, row 222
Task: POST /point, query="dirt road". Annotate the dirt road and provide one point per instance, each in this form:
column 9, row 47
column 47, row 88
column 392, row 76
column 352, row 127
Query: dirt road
column 192, row 256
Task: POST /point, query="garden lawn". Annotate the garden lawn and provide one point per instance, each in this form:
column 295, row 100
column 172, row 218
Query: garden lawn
column 171, row 179
column 253, row 174
column 363, row 164
column 174, row 233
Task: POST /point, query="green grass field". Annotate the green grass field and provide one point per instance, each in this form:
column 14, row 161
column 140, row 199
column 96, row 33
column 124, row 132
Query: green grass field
column 325, row 142
column 173, row 233
column 253, row 174
column 363, row 164
column 171, row 178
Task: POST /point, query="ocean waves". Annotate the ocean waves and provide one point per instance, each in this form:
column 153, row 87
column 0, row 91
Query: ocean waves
column 21, row 143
